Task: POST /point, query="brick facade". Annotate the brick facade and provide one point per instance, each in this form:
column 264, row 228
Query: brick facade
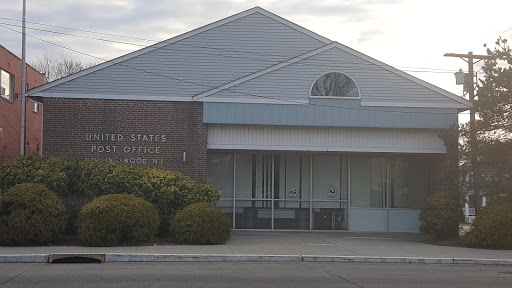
column 10, row 111
column 149, row 133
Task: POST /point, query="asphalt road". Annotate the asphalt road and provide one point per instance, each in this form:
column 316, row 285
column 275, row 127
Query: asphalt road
column 253, row 274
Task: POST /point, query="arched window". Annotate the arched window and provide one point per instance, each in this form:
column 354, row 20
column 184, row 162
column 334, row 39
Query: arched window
column 334, row 84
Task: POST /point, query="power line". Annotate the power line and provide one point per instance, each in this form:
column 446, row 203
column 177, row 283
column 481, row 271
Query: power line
column 505, row 31
column 230, row 90
column 327, row 63
column 82, row 30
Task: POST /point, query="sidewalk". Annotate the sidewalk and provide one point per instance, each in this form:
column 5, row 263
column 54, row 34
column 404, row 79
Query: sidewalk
column 297, row 246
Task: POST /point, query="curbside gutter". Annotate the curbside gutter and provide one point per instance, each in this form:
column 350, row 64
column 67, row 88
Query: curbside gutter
column 127, row 257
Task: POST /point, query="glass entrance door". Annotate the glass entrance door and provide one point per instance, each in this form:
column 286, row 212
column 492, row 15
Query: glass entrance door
column 292, row 191
column 329, row 192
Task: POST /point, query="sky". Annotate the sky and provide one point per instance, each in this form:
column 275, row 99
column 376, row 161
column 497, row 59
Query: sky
column 411, row 35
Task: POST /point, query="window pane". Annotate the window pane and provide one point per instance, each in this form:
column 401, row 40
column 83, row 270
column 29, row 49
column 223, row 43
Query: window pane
column 7, row 85
column 253, row 214
column 292, row 176
column 360, row 180
column 398, row 185
column 243, row 175
column 407, row 183
column 262, row 175
column 334, row 84
column 379, row 183
column 220, row 172
column 291, row 215
column 327, row 177
column 368, row 181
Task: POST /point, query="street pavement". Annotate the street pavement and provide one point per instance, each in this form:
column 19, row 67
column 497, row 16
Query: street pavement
column 282, row 246
column 254, row 275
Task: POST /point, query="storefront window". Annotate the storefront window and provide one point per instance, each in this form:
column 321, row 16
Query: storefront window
column 281, row 190
column 387, row 182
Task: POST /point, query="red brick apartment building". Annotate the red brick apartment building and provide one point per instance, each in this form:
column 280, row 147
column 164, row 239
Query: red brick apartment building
column 10, row 108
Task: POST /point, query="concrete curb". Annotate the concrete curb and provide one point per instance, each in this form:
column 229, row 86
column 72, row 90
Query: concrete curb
column 198, row 258
column 24, row 258
column 422, row 260
column 130, row 257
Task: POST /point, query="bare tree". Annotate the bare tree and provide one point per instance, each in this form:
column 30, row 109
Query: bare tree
column 58, row 67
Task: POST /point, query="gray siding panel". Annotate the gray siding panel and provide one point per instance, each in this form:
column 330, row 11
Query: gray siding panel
column 328, row 113
column 205, row 60
column 294, row 81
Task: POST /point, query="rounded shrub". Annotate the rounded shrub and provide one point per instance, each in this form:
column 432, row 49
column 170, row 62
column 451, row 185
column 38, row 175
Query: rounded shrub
column 169, row 191
column 201, row 223
column 440, row 216
column 113, row 219
column 492, row 227
column 30, row 214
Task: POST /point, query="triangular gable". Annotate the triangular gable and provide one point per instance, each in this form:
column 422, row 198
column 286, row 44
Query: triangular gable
column 207, row 92
column 37, row 91
column 213, row 94
column 263, row 72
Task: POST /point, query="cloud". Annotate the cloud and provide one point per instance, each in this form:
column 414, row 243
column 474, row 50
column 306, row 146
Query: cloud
column 370, row 35
column 383, row 29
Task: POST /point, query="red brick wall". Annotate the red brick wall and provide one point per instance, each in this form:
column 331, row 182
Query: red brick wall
column 10, row 111
column 83, row 129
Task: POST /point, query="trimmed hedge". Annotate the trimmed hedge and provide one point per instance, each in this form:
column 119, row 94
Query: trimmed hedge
column 201, row 223
column 57, row 174
column 169, row 191
column 492, row 227
column 30, row 214
column 113, row 219
column 440, row 216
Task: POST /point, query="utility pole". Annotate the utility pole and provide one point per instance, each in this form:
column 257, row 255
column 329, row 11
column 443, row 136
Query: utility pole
column 23, row 82
column 472, row 133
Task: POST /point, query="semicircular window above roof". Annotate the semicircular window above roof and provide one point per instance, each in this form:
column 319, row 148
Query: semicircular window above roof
column 334, row 84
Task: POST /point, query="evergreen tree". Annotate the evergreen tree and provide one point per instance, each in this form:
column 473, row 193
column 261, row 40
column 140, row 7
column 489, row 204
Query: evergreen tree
column 493, row 105
column 494, row 102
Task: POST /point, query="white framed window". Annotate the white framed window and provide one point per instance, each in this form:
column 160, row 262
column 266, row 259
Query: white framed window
column 6, row 85
column 334, row 85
